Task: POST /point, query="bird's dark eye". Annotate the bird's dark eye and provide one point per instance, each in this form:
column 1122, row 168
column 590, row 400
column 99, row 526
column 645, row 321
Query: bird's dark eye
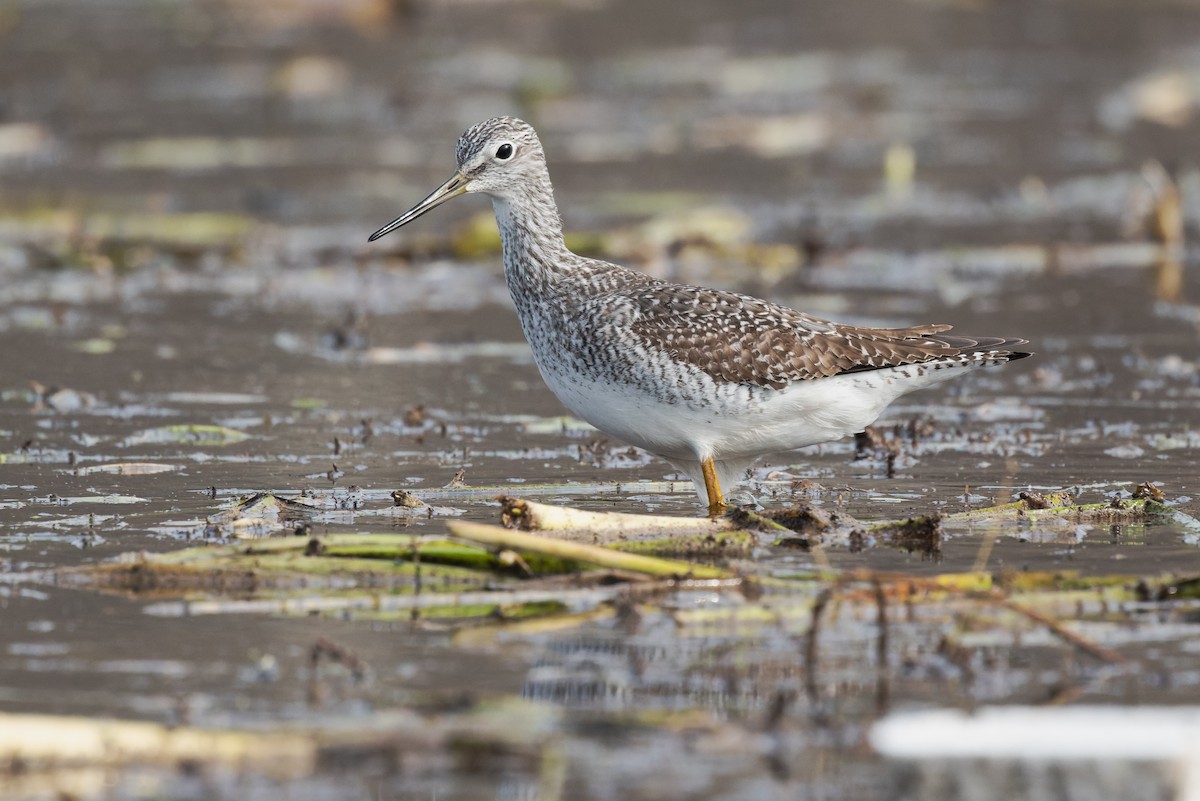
column 505, row 151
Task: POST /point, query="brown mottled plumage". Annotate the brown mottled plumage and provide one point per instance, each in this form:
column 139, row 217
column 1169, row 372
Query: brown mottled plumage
column 707, row 379
column 737, row 338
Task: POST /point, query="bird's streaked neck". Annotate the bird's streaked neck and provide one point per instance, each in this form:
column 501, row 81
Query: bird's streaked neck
column 531, row 233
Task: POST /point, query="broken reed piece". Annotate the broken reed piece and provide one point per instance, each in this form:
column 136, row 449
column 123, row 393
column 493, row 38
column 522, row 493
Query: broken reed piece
column 497, row 536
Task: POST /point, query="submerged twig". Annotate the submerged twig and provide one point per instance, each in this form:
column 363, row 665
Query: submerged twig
column 882, row 688
column 1077, row 640
column 811, row 652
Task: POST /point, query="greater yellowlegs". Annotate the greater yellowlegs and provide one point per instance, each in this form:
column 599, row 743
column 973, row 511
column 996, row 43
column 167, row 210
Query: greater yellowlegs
column 706, row 379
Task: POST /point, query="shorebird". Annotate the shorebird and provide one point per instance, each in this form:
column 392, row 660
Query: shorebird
column 708, row 380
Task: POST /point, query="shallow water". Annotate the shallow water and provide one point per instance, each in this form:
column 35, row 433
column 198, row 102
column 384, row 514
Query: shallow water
column 315, row 362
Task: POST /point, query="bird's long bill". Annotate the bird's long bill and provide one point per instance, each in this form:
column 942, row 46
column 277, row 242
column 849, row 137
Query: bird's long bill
column 456, row 186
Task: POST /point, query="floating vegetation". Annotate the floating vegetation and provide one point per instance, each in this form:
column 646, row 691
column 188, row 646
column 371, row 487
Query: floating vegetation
column 190, row 434
column 47, row 746
column 489, row 566
column 1056, row 509
column 126, row 468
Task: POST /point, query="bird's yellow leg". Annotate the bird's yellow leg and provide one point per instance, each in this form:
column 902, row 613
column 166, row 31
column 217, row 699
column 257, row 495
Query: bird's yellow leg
column 716, row 501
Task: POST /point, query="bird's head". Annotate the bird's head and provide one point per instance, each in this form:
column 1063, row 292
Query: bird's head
column 498, row 157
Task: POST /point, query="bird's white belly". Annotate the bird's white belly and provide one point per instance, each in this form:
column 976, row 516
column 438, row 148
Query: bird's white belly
column 628, row 413
column 729, row 421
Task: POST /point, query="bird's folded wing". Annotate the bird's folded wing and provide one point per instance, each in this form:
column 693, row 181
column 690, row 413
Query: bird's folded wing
column 739, row 339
